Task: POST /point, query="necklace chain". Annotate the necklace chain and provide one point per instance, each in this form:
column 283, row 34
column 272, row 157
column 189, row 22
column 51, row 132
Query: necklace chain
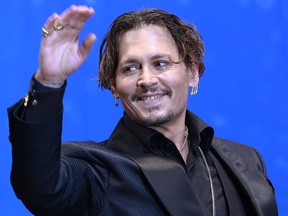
column 210, row 181
column 186, row 134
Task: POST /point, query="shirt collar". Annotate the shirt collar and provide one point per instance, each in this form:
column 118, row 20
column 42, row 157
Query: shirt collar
column 199, row 132
column 147, row 136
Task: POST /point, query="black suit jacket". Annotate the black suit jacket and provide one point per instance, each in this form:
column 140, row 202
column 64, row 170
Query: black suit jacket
column 118, row 176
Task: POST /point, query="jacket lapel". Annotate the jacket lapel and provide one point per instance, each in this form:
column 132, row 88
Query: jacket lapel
column 171, row 184
column 167, row 178
column 253, row 182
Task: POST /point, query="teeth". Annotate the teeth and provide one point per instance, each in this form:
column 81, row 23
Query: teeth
column 150, row 97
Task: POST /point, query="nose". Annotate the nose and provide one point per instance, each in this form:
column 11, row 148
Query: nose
column 146, row 78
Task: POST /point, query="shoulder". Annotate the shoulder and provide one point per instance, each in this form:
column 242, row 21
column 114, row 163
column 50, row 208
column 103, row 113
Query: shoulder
column 247, row 153
column 91, row 151
column 71, row 148
column 235, row 146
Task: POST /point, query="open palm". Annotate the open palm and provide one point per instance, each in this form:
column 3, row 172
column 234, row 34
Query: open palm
column 60, row 53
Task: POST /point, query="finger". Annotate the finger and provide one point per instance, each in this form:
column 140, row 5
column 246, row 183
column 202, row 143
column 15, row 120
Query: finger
column 76, row 16
column 71, row 21
column 86, row 46
column 48, row 26
column 81, row 8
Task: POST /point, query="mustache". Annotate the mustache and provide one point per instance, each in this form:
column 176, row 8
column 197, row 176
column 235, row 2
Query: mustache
column 144, row 90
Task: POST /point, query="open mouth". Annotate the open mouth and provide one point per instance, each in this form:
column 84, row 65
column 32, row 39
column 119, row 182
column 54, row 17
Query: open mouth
column 148, row 98
column 150, row 94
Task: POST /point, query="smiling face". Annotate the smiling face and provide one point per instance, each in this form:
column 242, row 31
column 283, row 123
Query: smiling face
column 152, row 87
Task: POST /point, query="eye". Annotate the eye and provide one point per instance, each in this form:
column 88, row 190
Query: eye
column 161, row 64
column 131, row 69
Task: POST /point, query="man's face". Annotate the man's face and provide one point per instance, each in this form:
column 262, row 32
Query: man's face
column 152, row 88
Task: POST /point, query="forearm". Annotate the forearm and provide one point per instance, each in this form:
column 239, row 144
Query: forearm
column 35, row 135
column 35, row 151
column 41, row 103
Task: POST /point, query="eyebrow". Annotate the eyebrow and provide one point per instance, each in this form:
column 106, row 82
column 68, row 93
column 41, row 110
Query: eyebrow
column 133, row 59
column 158, row 56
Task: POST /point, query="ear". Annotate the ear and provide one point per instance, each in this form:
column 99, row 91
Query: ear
column 193, row 76
column 114, row 89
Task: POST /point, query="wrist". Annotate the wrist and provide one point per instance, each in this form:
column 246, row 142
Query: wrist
column 52, row 83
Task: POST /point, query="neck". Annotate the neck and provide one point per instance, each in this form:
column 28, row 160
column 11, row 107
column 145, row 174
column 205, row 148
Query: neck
column 184, row 153
column 176, row 133
column 184, row 149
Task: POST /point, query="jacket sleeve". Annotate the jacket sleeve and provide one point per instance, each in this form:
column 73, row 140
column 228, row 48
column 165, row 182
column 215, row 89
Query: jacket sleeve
column 47, row 182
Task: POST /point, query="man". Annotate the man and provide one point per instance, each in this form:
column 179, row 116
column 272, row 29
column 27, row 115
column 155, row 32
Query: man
column 161, row 159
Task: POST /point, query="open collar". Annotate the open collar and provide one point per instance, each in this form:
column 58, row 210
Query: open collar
column 200, row 133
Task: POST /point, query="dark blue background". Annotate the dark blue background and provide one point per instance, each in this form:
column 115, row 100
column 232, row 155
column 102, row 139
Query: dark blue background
column 243, row 92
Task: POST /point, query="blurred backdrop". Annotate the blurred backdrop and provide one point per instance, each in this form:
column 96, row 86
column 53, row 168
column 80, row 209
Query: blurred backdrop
column 243, row 93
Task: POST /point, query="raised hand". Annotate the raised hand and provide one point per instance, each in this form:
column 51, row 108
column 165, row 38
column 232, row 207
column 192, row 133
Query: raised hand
column 60, row 52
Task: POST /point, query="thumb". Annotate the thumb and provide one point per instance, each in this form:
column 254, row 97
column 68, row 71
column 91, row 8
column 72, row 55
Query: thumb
column 87, row 45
